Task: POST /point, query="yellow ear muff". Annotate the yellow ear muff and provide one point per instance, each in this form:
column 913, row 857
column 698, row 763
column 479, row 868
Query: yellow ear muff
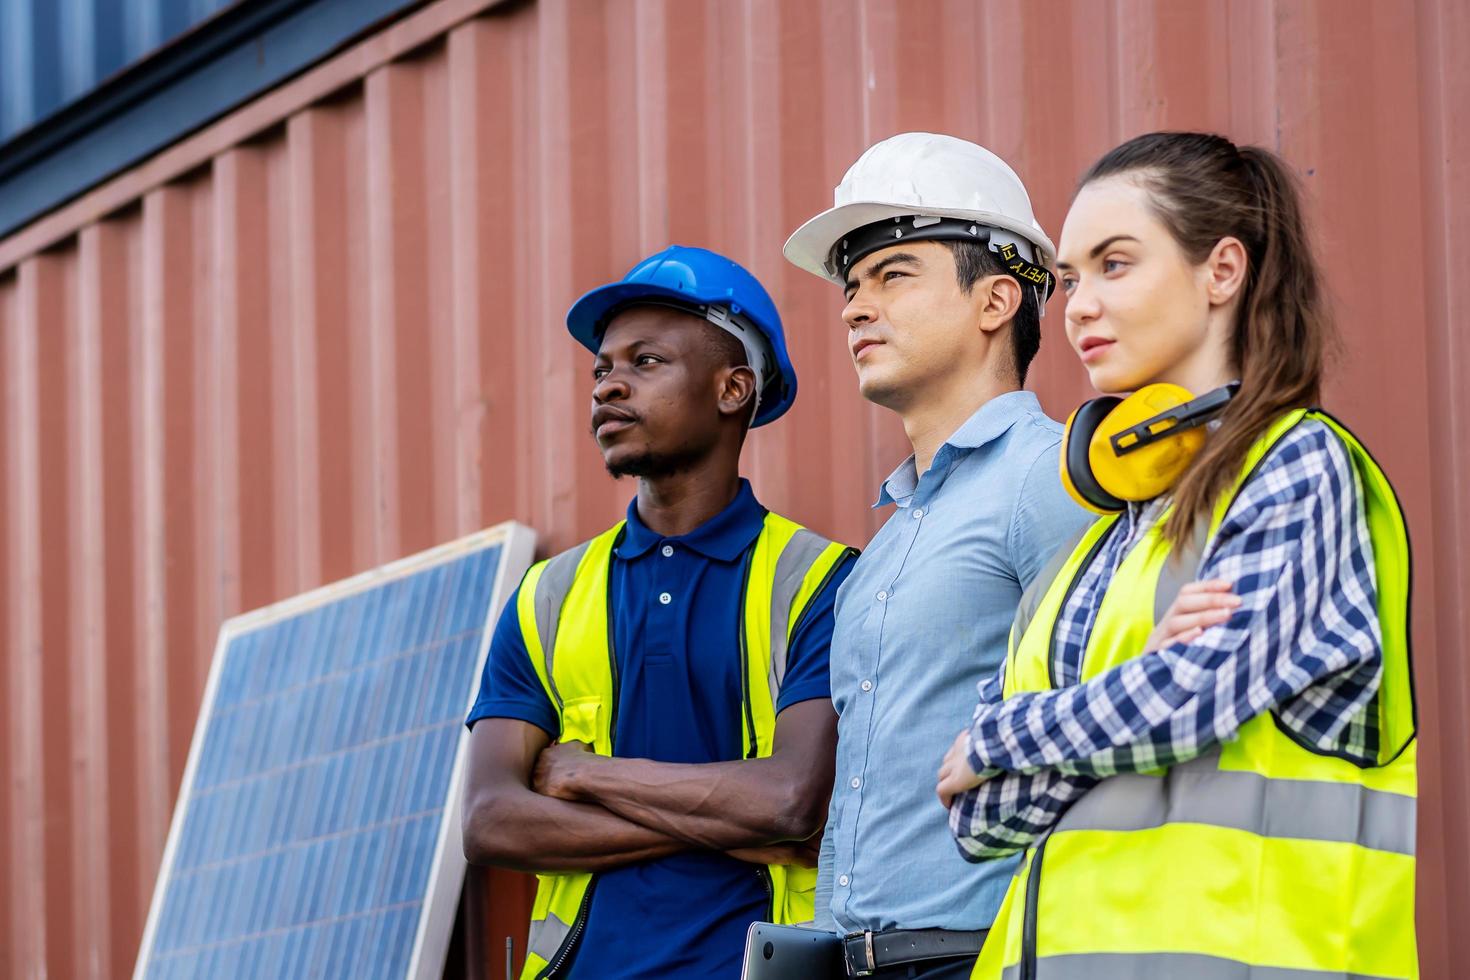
column 1149, row 470
column 1077, row 478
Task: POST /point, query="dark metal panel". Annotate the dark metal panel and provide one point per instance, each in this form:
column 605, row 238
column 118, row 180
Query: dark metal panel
column 56, row 51
column 219, row 65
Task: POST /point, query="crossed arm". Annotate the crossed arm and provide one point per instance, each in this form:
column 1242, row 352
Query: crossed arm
column 534, row 806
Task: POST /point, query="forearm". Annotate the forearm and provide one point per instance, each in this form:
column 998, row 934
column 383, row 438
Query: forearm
column 720, row 806
column 526, row 831
column 1079, row 730
column 1010, row 812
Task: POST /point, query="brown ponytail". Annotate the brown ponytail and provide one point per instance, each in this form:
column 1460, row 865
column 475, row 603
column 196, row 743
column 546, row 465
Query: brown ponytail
column 1205, row 188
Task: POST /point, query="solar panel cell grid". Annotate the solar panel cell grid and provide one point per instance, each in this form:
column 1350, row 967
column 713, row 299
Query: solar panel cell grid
column 317, row 801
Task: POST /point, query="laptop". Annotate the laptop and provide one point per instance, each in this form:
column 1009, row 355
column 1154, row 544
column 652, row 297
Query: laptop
column 775, row 952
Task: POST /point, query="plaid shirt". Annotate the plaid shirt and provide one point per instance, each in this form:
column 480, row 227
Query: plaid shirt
column 1304, row 643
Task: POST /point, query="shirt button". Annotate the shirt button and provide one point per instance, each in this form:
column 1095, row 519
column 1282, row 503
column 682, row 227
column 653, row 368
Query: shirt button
column 842, row 880
column 668, row 551
column 918, row 513
column 664, row 598
column 867, row 685
column 855, row 783
column 882, row 596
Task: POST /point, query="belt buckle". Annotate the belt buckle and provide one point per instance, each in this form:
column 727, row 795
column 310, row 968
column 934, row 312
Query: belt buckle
column 860, row 969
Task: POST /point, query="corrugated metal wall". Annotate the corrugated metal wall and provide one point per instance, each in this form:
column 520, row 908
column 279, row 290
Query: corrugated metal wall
column 326, row 332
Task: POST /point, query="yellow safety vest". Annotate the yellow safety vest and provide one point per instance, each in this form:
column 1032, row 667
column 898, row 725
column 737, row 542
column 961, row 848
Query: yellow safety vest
column 565, row 620
column 1263, row 859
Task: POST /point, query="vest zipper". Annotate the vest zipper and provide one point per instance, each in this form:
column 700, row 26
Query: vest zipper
column 765, row 877
column 745, row 660
column 563, row 952
column 1028, row 924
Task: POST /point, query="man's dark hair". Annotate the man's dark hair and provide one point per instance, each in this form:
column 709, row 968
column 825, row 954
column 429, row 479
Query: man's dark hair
column 973, row 262
column 723, row 348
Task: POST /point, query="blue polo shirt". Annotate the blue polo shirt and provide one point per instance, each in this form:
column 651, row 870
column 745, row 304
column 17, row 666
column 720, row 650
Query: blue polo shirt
column 675, row 608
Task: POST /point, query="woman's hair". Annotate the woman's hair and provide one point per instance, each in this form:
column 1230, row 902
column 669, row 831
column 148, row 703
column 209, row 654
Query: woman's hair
column 1205, row 188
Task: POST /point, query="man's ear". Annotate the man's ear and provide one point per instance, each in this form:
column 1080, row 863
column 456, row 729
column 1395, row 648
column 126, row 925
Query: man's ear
column 737, row 390
column 1002, row 298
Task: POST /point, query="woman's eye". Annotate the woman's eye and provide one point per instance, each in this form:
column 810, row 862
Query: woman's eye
column 1068, row 285
column 1113, row 265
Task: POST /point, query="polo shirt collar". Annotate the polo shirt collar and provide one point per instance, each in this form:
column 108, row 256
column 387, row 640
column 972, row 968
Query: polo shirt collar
column 990, row 421
column 724, row 537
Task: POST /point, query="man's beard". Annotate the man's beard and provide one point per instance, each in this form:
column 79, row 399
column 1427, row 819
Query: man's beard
column 651, row 465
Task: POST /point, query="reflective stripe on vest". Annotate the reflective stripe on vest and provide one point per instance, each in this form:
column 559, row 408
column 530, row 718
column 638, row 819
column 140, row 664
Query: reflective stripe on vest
column 1165, row 966
column 565, row 624
column 1200, row 792
column 1262, row 858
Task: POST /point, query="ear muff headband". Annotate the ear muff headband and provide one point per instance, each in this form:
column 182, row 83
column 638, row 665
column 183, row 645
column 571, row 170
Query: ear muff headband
column 1170, row 422
column 1077, row 478
column 1133, row 449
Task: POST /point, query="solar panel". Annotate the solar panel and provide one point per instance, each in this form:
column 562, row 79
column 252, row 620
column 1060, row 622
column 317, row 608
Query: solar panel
column 317, row 828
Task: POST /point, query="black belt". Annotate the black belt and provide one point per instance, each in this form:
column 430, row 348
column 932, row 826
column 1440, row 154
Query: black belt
column 866, row 952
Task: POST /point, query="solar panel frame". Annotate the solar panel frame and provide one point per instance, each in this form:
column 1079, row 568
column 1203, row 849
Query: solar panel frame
column 447, row 868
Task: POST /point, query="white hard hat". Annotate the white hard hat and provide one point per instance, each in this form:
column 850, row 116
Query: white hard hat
column 924, row 174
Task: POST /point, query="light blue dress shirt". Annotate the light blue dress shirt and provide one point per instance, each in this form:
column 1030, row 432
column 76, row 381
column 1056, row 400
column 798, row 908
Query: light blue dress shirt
column 922, row 619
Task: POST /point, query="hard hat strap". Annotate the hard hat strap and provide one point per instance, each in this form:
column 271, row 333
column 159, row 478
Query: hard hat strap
column 1013, row 251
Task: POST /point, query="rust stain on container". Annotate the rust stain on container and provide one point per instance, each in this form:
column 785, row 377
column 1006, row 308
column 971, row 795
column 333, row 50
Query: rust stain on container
column 326, row 331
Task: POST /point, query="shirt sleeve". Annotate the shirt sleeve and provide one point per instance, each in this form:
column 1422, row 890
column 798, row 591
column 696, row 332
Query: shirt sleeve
column 1010, row 810
column 822, row 916
column 807, row 663
column 509, row 687
column 1296, row 549
column 1045, row 517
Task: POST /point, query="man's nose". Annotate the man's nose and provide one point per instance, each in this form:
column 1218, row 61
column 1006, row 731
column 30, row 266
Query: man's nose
column 859, row 311
column 610, row 387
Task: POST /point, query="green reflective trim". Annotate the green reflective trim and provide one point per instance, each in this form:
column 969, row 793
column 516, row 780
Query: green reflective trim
column 1198, row 792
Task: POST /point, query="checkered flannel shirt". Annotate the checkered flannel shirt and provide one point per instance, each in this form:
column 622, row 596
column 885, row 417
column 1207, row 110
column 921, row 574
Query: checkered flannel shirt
column 1304, row 643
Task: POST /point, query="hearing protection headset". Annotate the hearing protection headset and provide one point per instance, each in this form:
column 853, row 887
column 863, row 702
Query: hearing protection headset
column 1117, row 450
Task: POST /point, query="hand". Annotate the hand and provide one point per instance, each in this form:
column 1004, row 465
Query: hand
column 559, row 767
column 955, row 774
column 1198, row 606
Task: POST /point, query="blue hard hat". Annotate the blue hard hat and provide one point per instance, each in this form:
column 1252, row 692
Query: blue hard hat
column 707, row 285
